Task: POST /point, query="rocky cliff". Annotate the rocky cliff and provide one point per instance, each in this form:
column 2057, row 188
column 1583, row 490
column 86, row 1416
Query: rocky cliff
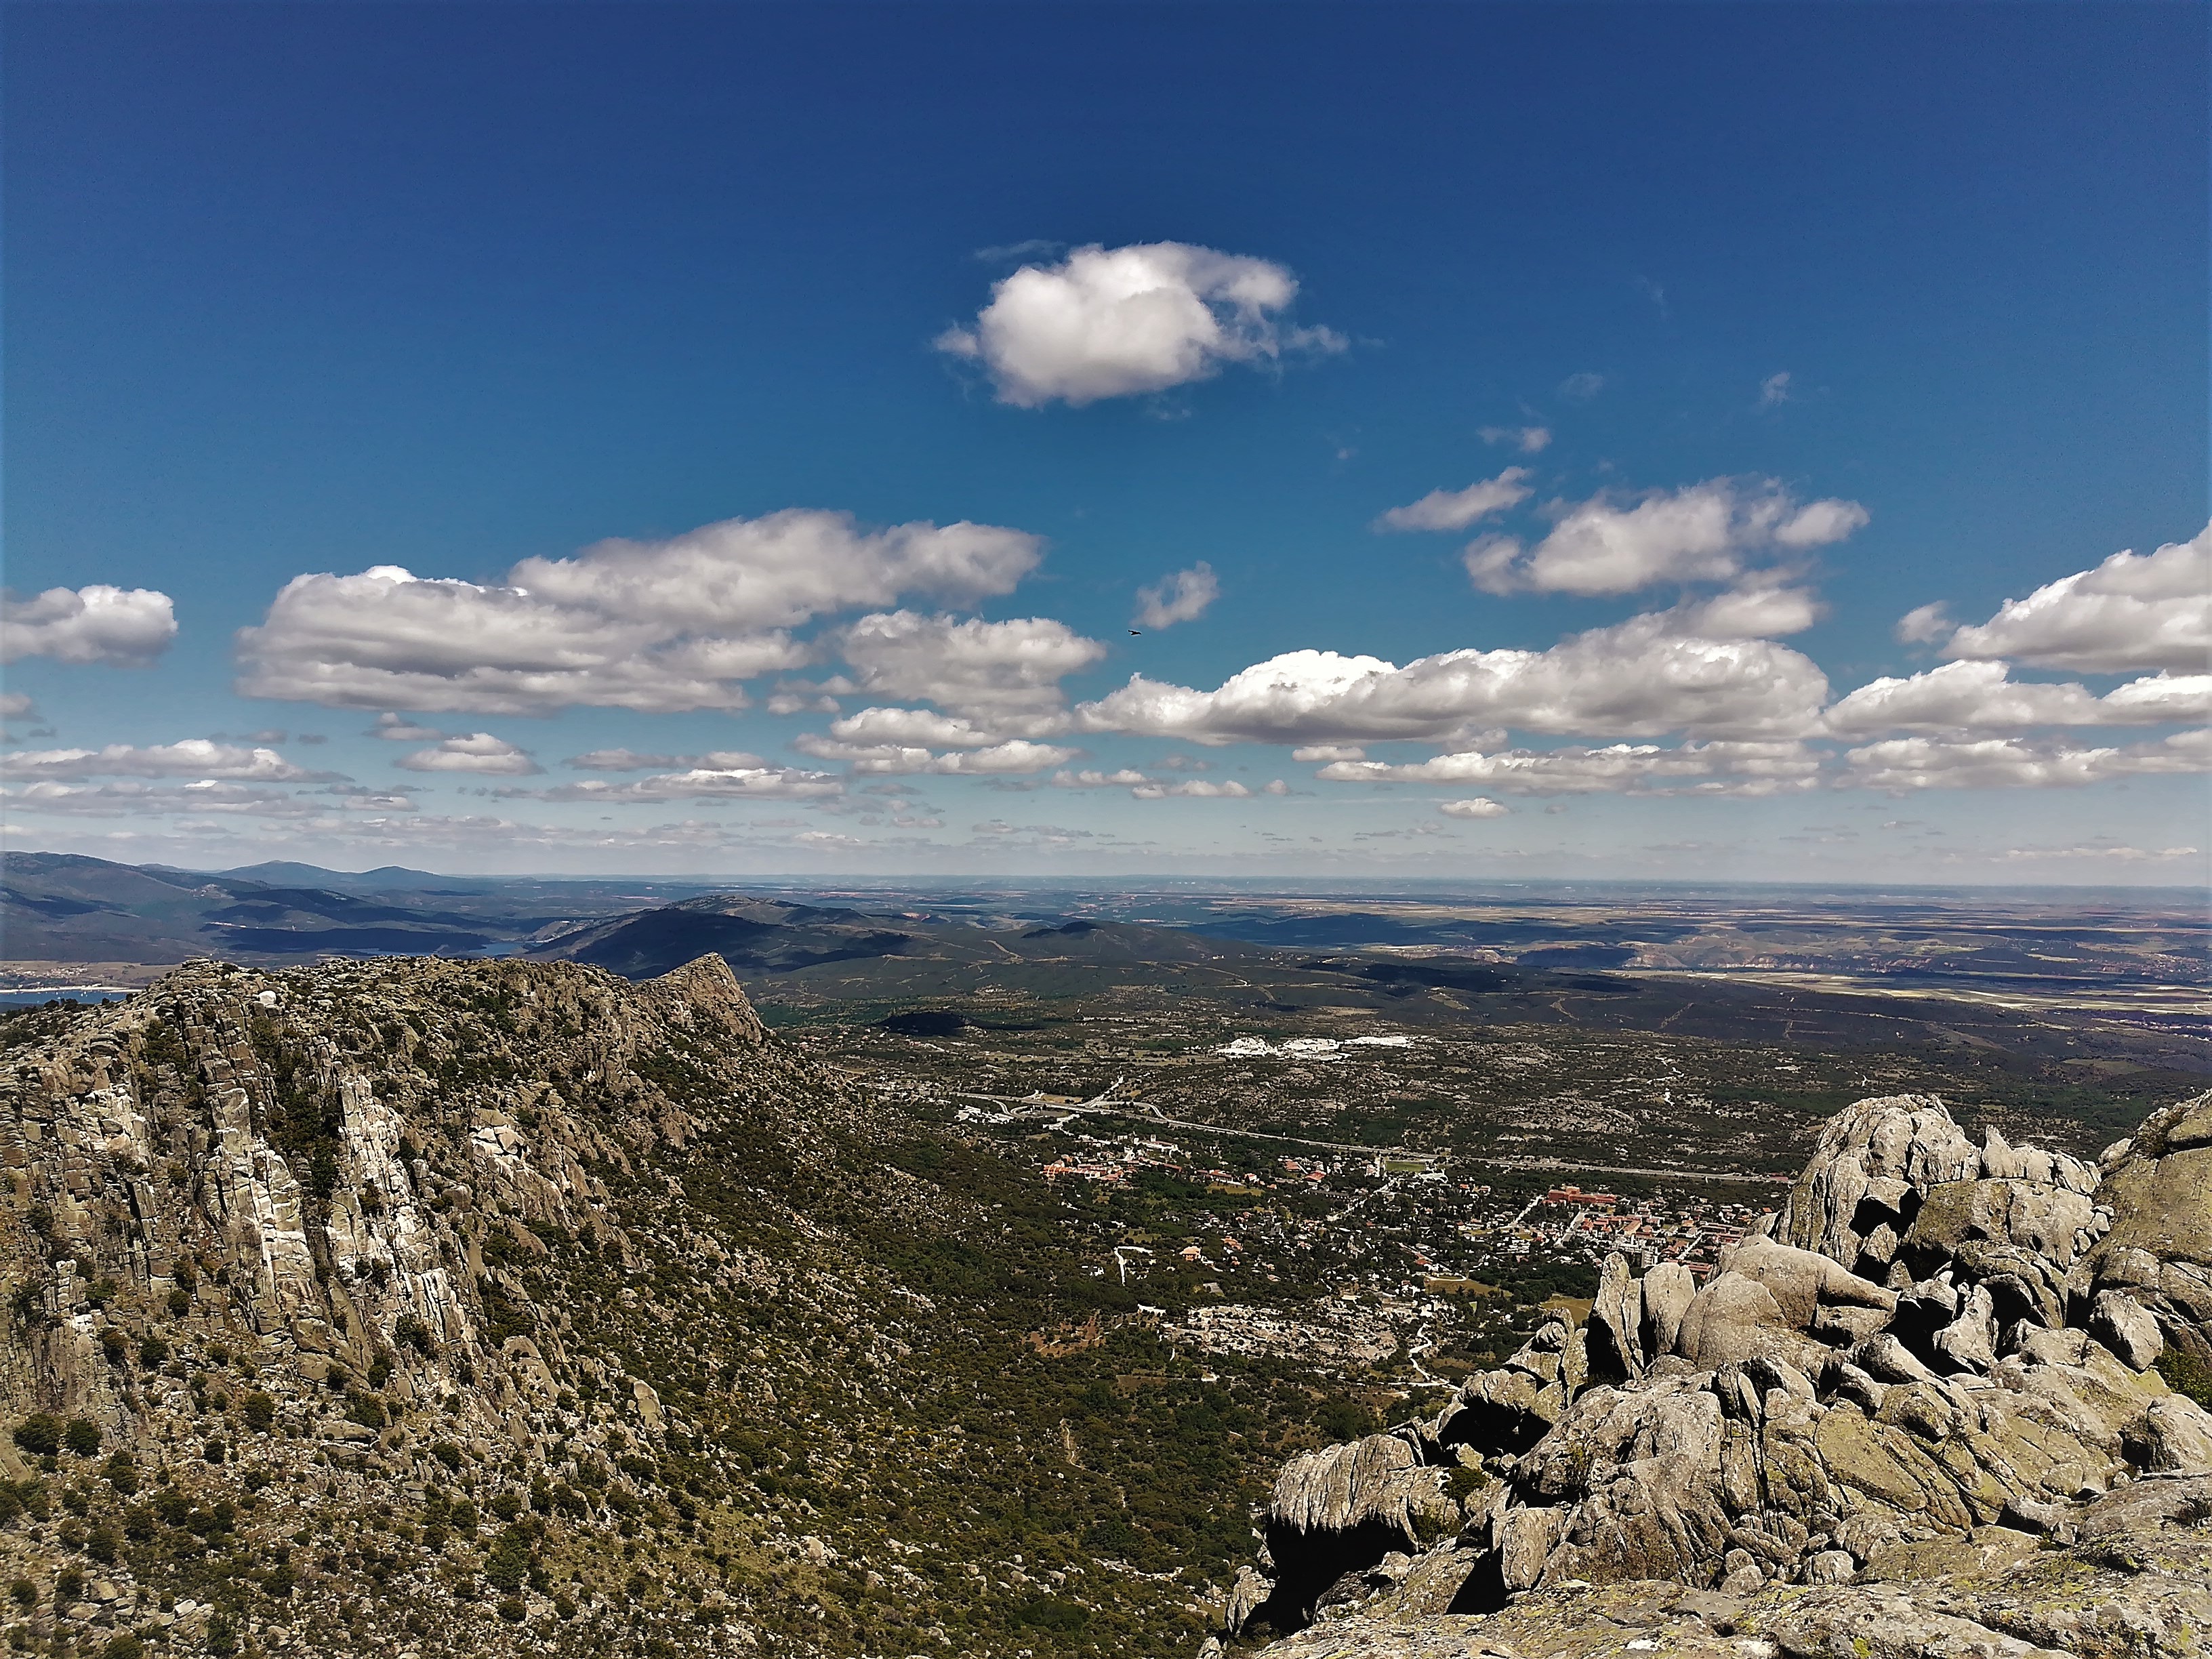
column 436, row 1307
column 1940, row 1403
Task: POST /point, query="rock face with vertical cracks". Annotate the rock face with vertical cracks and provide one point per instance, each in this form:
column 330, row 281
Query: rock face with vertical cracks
column 1938, row 1360
column 378, row 1306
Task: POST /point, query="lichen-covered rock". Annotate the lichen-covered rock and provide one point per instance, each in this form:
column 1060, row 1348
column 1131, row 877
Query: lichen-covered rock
column 2138, row 1585
column 1763, row 1300
column 1338, row 1488
column 2159, row 1192
column 1806, row 1431
column 1863, row 1173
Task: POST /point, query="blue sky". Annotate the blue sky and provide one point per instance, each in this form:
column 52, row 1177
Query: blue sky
column 1762, row 327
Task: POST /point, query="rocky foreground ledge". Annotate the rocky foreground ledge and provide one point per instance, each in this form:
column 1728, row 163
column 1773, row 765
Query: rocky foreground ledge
column 1941, row 1404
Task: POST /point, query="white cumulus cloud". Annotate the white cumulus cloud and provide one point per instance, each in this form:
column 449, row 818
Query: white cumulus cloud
column 1455, row 509
column 1962, row 698
column 1902, row 765
column 1191, row 789
column 1114, row 322
column 1004, row 674
column 1717, row 768
column 479, row 752
column 1924, row 624
column 1476, row 806
column 1014, row 757
column 2130, row 613
column 659, row 627
column 1637, row 678
column 125, row 627
column 194, row 758
column 1180, row 597
column 1126, row 778
column 1701, row 533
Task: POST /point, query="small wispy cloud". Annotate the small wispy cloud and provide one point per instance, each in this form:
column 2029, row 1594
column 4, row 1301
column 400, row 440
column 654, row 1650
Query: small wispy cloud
column 1528, row 440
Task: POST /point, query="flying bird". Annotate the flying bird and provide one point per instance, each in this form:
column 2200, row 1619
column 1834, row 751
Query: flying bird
column 1135, row 632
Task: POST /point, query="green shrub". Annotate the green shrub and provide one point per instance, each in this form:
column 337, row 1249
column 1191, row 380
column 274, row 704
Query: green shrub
column 152, row 1350
column 1047, row 1613
column 125, row 1646
column 511, row 1609
column 181, row 1302
column 115, row 1346
column 122, row 1474
column 69, row 1587
column 81, row 1436
column 505, row 1506
column 448, row 1454
column 40, row 1434
column 2186, row 1374
column 259, row 1411
column 366, row 1410
column 103, row 1543
column 24, row 1593
column 507, row 1565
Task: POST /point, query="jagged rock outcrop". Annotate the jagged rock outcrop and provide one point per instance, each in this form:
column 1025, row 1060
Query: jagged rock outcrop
column 2158, row 1253
column 2134, row 1579
column 1933, row 1348
column 499, row 1308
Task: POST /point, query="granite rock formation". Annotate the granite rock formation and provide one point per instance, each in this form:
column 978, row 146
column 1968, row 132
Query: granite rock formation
column 1924, row 1408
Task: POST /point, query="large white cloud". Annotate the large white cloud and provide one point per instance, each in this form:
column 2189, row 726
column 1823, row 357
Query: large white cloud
column 1637, row 678
column 194, row 758
column 1003, row 674
column 2129, row 614
column 744, row 576
column 1110, row 322
column 659, row 627
column 479, row 752
column 127, row 627
column 1455, row 509
column 1709, row 531
column 1715, row 767
column 1901, row 765
column 1966, row 698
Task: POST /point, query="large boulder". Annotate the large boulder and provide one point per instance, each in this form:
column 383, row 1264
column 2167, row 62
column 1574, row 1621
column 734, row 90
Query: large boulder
column 1792, row 1421
column 1872, row 1160
column 2157, row 1188
column 1765, row 1302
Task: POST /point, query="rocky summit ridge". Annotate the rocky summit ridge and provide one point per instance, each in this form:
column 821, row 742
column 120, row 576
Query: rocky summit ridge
column 1940, row 1403
column 423, row 1307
